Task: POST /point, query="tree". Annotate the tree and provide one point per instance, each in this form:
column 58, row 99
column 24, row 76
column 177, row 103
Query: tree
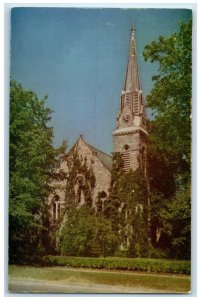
column 170, row 99
column 178, row 219
column 31, row 165
column 134, row 213
column 169, row 148
column 83, row 233
column 127, row 209
column 112, row 205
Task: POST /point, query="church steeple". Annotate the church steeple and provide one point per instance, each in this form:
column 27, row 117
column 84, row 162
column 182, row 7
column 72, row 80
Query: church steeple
column 131, row 95
column 129, row 136
column 132, row 82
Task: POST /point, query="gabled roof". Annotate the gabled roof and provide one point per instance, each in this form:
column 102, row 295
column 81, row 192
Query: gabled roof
column 103, row 157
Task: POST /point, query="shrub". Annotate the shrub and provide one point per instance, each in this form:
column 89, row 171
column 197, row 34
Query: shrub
column 117, row 263
column 85, row 234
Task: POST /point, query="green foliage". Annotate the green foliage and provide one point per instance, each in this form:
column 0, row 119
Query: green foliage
column 169, row 148
column 117, row 263
column 173, row 218
column 84, row 233
column 127, row 209
column 134, row 213
column 170, row 99
column 113, row 203
column 31, row 164
column 77, row 165
column 179, row 221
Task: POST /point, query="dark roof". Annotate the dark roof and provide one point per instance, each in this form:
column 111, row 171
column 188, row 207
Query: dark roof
column 103, row 157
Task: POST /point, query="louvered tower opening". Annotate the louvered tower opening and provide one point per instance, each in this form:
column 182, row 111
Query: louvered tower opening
column 136, row 103
column 126, row 158
column 127, row 100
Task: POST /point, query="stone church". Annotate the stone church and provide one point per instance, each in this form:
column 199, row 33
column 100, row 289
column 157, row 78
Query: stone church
column 129, row 139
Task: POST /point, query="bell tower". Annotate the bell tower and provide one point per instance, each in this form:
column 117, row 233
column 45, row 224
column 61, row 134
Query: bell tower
column 129, row 137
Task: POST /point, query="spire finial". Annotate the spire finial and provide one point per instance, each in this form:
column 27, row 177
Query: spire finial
column 133, row 31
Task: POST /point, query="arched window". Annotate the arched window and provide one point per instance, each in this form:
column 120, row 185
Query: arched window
column 139, row 209
column 102, row 196
column 126, row 158
column 54, row 211
column 80, row 184
column 79, row 191
column 56, row 208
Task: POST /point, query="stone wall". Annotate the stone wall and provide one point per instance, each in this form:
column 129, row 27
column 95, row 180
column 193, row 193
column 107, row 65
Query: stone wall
column 101, row 173
column 133, row 141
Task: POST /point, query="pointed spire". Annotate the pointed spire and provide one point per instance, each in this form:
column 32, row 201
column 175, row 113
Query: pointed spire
column 132, row 82
column 133, row 32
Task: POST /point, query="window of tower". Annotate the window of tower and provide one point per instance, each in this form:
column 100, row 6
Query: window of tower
column 126, row 158
column 127, row 99
column 136, row 103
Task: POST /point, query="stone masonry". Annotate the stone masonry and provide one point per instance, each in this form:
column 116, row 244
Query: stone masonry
column 99, row 162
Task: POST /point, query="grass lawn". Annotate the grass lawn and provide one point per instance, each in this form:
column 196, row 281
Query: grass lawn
column 163, row 283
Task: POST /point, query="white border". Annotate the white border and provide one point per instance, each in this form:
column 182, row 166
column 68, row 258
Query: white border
column 196, row 109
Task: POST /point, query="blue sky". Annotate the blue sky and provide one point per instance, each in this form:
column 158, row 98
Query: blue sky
column 78, row 58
